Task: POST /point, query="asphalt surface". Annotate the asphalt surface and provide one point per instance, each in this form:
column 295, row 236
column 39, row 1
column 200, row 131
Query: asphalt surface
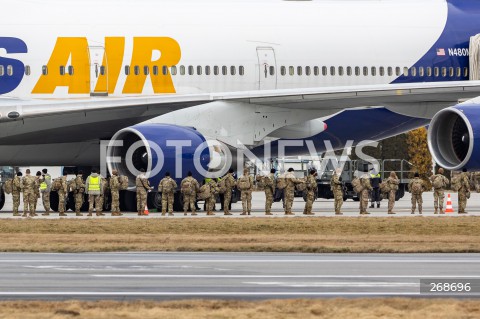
column 321, row 207
column 228, row 275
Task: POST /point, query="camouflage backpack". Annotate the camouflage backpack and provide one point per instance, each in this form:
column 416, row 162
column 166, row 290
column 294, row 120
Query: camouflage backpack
column 438, row 182
column 260, row 182
column 204, row 192
column 281, row 182
column 244, row 183
column 301, row 187
column 8, row 186
column 456, row 183
column 57, row 184
column 123, row 182
column 222, row 186
column 417, row 187
column 384, row 187
column 72, row 185
column 357, row 185
column 188, row 187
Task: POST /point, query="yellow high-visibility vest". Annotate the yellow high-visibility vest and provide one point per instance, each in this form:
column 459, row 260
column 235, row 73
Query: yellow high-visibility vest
column 94, row 184
column 44, row 185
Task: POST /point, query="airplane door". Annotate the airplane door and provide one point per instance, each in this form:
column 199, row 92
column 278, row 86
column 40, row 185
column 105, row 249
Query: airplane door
column 98, row 70
column 268, row 69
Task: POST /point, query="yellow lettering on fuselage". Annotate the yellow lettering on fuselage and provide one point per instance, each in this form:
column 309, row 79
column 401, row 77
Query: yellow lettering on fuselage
column 112, row 59
column 143, row 49
column 75, row 50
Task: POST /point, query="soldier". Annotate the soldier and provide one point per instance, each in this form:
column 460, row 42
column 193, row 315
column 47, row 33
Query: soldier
column 115, row 191
column 270, row 186
column 210, row 202
column 94, row 190
column 417, row 187
column 375, row 180
column 245, row 185
column 28, row 186
column 364, row 194
column 143, row 188
column 227, row 196
column 62, row 194
column 78, row 193
column 37, row 191
column 463, row 192
column 105, row 189
column 16, row 190
column 336, row 187
column 189, row 188
column 45, row 188
column 167, row 187
column 393, row 183
column 289, row 191
column 439, row 183
column 311, row 192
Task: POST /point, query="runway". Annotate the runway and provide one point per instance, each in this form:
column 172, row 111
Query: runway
column 162, row 276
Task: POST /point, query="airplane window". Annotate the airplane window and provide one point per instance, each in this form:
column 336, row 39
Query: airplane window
column 190, row 70
column 9, row 70
column 70, row 69
column 436, row 71
column 299, row 70
column 2, row 70
column 283, row 70
column 340, row 70
column 28, row 70
column 207, row 70
column 324, row 70
column 357, row 70
column 365, row 71
column 465, row 72
column 136, row 70
column 241, row 70
column 216, row 70
column 444, row 71
column 451, row 72
column 291, row 70
column 397, row 71
column 308, row 71
column 414, row 71
column 199, row 70
column 390, row 71
column 233, row 70
column 224, row 70
column 316, row 70
column 421, row 71
column 164, row 70
column 374, row 71
column 405, row 71
column 459, row 72
column 272, row 70
column 332, row 70
column 102, row 70
column 146, row 70
column 349, row 70
column 173, row 70
column 155, row 70
column 429, row 71
column 182, row 69
column 127, row 70
column 381, row 70
column 62, row 70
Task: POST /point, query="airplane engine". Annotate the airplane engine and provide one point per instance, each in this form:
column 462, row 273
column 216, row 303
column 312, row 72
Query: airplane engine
column 454, row 137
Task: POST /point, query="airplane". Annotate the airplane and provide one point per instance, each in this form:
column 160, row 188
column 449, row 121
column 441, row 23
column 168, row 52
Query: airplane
column 77, row 74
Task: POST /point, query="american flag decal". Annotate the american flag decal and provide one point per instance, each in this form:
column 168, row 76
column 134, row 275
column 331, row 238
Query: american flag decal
column 441, row 52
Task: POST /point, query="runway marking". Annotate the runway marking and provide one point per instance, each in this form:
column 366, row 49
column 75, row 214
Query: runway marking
column 278, row 276
column 247, row 261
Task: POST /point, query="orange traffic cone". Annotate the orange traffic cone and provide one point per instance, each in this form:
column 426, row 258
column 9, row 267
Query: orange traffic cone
column 145, row 212
column 449, row 208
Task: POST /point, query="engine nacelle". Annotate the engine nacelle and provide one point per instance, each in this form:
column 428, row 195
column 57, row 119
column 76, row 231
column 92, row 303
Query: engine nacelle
column 158, row 148
column 453, row 137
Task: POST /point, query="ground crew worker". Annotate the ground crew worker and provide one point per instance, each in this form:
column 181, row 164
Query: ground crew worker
column 115, row 192
column 463, row 192
column 336, row 186
column 311, row 192
column 439, row 182
column 16, row 190
column 62, row 195
column 189, row 188
column 167, row 187
column 364, row 194
column 28, row 185
column 375, row 180
column 37, row 191
column 417, row 187
column 270, row 186
column 227, row 196
column 245, row 185
column 211, row 201
column 393, row 183
column 45, row 188
column 143, row 188
column 289, row 191
column 93, row 187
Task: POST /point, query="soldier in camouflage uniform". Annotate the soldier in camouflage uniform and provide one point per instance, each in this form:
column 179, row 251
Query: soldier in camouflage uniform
column 45, row 188
column 417, row 187
column 365, row 193
column 227, row 196
column 62, row 194
column 247, row 192
column 270, row 186
column 210, row 202
column 16, row 190
column 78, row 193
column 28, row 186
column 311, row 192
column 167, row 187
column 37, row 191
column 393, row 183
column 189, row 188
column 463, row 192
column 143, row 187
column 439, row 182
column 336, row 187
column 289, row 190
column 115, row 192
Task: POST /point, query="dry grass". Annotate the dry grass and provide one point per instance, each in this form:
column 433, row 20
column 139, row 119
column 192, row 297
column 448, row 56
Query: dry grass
column 356, row 235
column 275, row 309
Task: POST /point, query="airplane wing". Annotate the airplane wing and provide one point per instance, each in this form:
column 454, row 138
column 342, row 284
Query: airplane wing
column 66, row 121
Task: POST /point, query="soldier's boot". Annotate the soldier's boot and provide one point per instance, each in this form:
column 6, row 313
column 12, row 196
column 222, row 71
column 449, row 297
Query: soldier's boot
column 268, row 213
column 436, row 211
column 90, row 214
column 194, row 214
column 62, row 214
column 338, row 213
column 227, row 213
column 185, row 213
column 24, row 215
column 139, row 213
column 310, row 213
column 391, row 212
column 32, row 215
column 163, row 213
column 420, row 211
column 78, row 214
column 100, row 214
column 378, row 205
column 244, row 213
column 16, row 214
column 249, row 213
column 441, row 211
column 170, row 214
column 289, row 213
column 46, row 214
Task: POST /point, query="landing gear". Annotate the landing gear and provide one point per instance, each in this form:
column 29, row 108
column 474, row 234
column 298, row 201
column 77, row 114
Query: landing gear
column 2, row 199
